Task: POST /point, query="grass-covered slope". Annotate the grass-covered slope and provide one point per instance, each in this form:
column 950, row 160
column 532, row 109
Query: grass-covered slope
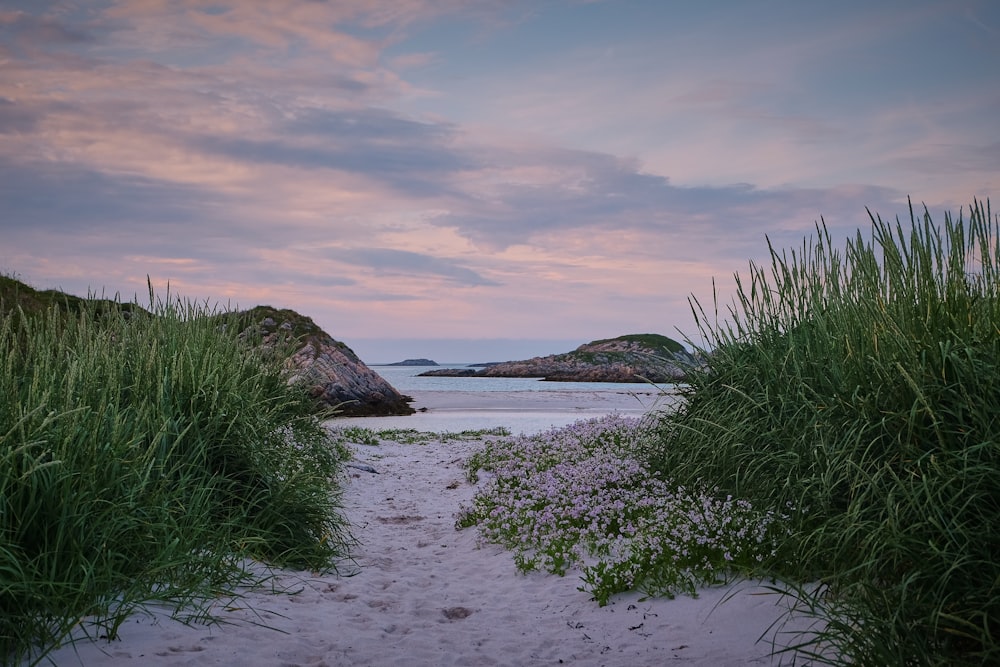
column 16, row 296
column 146, row 459
column 655, row 343
column 858, row 390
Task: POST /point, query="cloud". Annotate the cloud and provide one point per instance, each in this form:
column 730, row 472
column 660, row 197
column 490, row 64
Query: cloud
column 584, row 192
column 390, row 262
column 29, row 30
column 406, row 155
column 387, row 161
column 15, row 117
column 76, row 199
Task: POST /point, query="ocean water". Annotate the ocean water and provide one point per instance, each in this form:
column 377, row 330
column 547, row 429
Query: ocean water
column 406, row 379
column 522, row 405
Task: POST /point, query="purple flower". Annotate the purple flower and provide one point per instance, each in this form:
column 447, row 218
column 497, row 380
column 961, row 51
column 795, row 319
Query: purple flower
column 581, row 497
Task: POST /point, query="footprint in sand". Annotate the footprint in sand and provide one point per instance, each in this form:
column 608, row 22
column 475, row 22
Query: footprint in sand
column 180, row 649
column 456, row 613
column 400, row 520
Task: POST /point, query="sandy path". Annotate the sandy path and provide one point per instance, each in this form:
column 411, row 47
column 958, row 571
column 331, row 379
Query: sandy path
column 422, row 593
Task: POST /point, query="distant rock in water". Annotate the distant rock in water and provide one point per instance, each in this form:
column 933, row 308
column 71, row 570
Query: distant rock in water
column 334, row 374
column 414, row 362
column 630, row 358
column 450, row 372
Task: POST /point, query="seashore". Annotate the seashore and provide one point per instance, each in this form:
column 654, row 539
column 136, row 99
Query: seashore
column 520, row 411
column 419, row 592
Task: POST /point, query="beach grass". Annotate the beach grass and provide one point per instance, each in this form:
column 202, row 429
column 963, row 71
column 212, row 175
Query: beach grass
column 149, row 457
column 858, row 391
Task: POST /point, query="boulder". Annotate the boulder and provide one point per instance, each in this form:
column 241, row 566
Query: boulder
column 332, row 372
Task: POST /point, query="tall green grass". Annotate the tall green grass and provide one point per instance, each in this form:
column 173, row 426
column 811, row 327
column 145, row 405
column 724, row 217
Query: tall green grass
column 147, row 457
column 860, row 389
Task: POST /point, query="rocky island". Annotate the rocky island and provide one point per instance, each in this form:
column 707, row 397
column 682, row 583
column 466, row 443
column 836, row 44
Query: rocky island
column 629, row 358
column 414, row 362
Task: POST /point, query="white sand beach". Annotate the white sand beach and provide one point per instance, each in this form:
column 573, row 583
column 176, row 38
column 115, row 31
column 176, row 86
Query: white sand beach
column 422, row 593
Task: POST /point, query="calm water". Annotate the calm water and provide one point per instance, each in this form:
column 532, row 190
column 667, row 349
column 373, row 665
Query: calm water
column 548, row 413
column 405, row 379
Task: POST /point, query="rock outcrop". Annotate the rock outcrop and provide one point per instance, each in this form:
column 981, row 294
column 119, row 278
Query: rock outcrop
column 333, row 373
column 631, row 358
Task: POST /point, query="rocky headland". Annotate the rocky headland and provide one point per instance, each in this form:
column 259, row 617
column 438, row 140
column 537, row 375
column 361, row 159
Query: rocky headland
column 333, row 373
column 629, row 358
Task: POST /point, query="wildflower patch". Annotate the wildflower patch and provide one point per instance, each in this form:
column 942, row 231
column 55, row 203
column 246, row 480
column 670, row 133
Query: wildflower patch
column 582, row 498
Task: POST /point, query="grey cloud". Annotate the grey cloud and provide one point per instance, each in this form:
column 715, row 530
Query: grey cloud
column 127, row 223
column 65, row 198
column 70, row 210
column 264, row 273
column 349, row 155
column 30, row 30
column 601, row 192
column 990, row 156
column 980, row 159
column 369, row 124
column 368, row 296
column 384, row 261
column 16, row 117
column 409, row 156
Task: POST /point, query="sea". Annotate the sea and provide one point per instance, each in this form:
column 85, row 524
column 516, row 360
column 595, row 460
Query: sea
column 521, row 405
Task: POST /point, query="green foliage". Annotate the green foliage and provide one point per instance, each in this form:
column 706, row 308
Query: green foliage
column 344, row 435
column 18, row 299
column 654, row 345
column 147, row 459
column 653, row 341
column 863, row 389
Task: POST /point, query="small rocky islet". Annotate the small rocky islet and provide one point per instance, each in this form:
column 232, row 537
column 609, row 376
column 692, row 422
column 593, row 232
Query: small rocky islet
column 414, row 362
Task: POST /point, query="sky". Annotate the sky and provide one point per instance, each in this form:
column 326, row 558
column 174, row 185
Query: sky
column 476, row 180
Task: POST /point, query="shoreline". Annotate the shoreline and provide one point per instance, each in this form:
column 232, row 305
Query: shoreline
column 521, row 411
column 421, row 593
column 551, row 400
